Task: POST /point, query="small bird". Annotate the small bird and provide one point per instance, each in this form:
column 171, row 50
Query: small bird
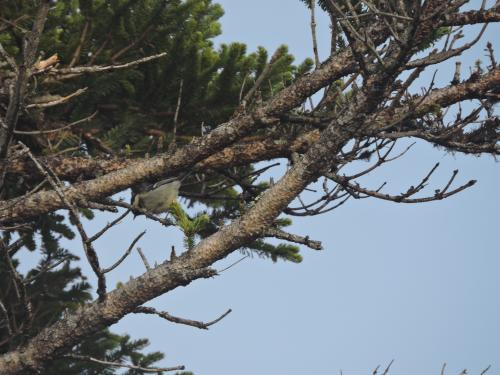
column 158, row 197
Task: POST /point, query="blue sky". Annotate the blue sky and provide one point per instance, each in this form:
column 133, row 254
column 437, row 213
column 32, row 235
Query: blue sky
column 417, row 284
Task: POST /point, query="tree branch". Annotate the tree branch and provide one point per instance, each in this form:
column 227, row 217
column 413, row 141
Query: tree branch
column 55, row 74
column 472, row 17
column 282, row 235
column 177, row 320
column 16, row 100
column 124, row 365
column 124, row 256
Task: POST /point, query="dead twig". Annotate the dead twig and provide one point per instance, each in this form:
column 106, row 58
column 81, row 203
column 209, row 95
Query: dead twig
column 48, row 131
column 265, row 73
column 144, row 259
column 312, row 6
column 136, row 210
column 124, row 256
column 177, row 320
column 108, row 226
column 176, row 115
column 46, row 269
column 57, row 73
column 282, row 235
column 59, row 101
column 232, row 265
column 157, row 370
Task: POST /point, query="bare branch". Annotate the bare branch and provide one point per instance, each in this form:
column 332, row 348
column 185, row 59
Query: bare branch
column 174, row 319
column 232, row 265
column 485, row 370
column 472, row 17
column 124, row 365
column 282, row 235
column 265, row 73
column 100, row 207
column 15, row 246
column 144, row 259
column 143, row 35
column 124, row 256
column 456, row 75
column 48, row 131
column 60, row 73
column 14, row 24
column 46, row 269
column 108, row 226
column 137, row 210
column 97, row 143
column 386, row 371
column 437, row 58
column 6, row 318
column 312, row 5
column 83, row 37
column 177, row 109
column 59, row 101
column 355, row 190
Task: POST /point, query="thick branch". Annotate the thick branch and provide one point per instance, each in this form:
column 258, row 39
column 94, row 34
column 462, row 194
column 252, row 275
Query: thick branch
column 472, row 17
column 246, row 151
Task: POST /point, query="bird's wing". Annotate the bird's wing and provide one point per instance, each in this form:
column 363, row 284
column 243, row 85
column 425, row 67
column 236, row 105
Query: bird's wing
column 163, row 182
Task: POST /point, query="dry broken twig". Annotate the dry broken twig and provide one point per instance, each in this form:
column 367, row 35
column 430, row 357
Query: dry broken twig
column 157, row 370
column 174, row 319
